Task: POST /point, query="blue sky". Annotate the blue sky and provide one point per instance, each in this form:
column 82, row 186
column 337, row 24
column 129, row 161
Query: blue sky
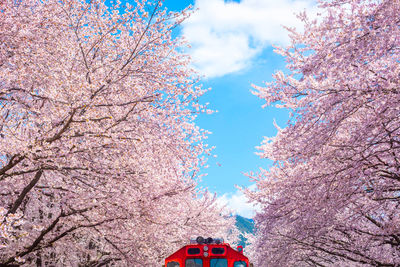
column 231, row 47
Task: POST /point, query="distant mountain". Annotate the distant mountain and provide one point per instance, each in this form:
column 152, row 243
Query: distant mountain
column 244, row 225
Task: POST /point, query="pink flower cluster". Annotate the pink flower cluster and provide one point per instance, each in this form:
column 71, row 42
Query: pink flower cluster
column 99, row 153
column 332, row 197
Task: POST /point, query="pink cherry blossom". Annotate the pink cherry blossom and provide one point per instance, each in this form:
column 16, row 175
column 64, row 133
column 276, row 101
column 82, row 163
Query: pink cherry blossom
column 99, row 150
column 332, row 196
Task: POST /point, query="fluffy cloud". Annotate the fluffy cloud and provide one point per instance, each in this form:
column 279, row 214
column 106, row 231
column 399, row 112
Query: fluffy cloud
column 226, row 36
column 238, row 204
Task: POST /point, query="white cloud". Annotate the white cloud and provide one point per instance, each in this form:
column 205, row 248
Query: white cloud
column 238, row 203
column 226, row 36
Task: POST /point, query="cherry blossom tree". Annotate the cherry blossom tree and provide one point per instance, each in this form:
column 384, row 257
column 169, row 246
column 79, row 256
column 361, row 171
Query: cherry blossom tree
column 332, row 196
column 99, row 153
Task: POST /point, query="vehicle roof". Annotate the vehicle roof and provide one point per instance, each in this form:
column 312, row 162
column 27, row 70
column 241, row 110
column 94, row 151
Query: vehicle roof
column 230, row 252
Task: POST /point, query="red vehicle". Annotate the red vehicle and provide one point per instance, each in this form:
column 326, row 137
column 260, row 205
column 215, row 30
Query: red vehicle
column 208, row 253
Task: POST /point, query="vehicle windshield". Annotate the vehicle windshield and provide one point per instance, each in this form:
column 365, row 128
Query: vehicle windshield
column 240, row 264
column 173, row 264
column 218, row 263
column 194, row 263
